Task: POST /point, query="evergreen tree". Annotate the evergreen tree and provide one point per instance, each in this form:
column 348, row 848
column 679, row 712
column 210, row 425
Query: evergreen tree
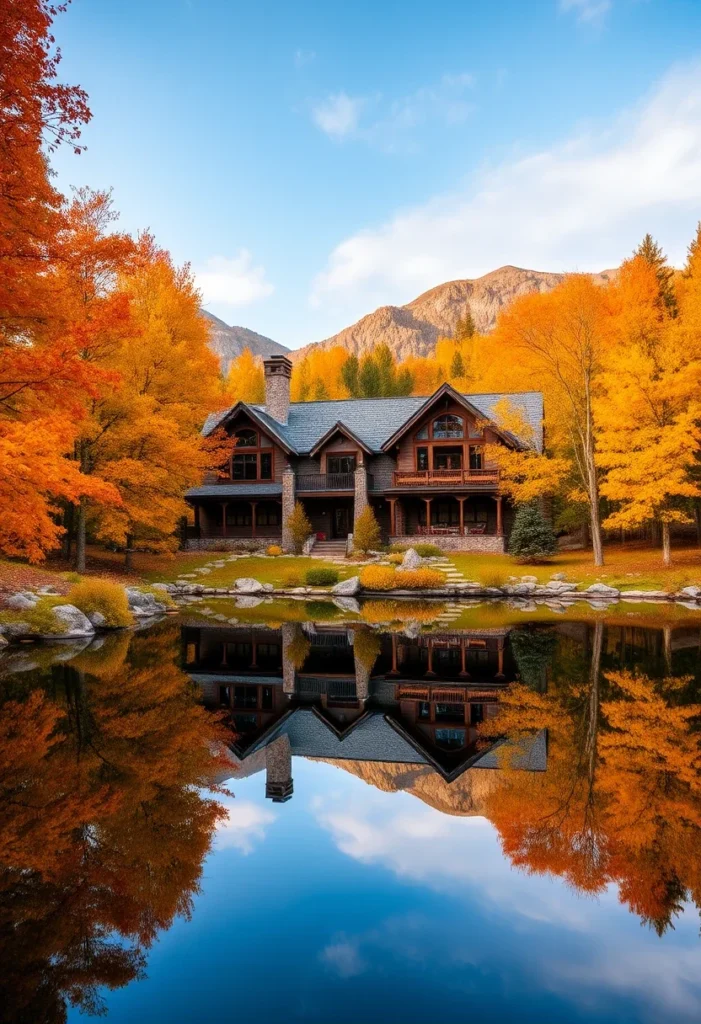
column 385, row 365
column 652, row 253
column 321, row 393
column 532, row 538
column 369, row 379
column 349, row 375
column 465, row 327
column 457, row 366
column 404, row 382
column 533, row 650
column 693, row 251
column 366, row 532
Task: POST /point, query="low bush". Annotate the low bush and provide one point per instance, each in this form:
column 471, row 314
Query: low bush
column 40, row 619
column 321, row 611
column 494, row 579
column 161, row 595
column 322, row 576
column 274, row 550
column 419, row 579
column 427, row 550
column 292, row 578
column 378, row 577
column 110, row 599
column 397, row 548
column 396, row 559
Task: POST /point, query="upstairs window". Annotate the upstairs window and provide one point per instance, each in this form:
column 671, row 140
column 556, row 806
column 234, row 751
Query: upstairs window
column 448, row 426
column 246, row 439
column 340, row 463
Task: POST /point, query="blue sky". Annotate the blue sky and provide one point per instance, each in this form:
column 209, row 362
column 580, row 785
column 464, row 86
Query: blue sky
column 315, row 160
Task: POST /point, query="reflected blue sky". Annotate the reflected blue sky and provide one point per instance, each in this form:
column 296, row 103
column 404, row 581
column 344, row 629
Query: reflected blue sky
column 349, row 904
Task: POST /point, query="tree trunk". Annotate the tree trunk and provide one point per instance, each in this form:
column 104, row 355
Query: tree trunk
column 80, row 537
column 68, row 522
column 666, row 545
column 128, row 552
column 697, row 516
column 595, row 524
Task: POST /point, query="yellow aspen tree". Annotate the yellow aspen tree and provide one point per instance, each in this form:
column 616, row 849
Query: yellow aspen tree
column 245, row 381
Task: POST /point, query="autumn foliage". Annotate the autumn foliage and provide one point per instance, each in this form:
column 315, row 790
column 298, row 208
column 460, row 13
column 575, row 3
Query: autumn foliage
column 100, row 335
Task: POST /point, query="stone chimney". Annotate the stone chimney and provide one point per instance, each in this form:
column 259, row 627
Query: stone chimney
column 278, row 372
column 278, row 770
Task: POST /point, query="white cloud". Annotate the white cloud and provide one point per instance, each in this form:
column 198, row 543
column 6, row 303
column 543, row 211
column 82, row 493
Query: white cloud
column 304, row 57
column 245, row 824
column 234, row 282
column 589, row 11
column 391, row 124
column 338, row 115
column 582, row 204
column 344, row 959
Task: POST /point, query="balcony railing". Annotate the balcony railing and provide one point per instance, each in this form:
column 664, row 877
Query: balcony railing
column 326, row 482
column 445, row 477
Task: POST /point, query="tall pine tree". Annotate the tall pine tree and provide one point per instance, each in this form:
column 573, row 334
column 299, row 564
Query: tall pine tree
column 652, row 253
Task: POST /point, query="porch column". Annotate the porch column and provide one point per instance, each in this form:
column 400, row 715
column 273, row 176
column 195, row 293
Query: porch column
column 394, row 671
column 429, row 671
column 253, row 505
column 224, row 506
column 463, row 652
column 392, row 517
column 289, row 674
column 361, row 493
column 288, row 505
column 362, row 679
column 428, row 514
column 500, row 524
column 500, row 658
column 197, row 520
column 462, row 516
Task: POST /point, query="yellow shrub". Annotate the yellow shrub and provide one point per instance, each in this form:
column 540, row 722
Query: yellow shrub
column 396, row 559
column 419, row 579
column 292, row 578
column 274, row 549
column 94, row 595
column 378, row 577
column 389, row 610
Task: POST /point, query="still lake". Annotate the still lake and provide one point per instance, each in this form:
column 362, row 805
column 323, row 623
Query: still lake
column 387, row 812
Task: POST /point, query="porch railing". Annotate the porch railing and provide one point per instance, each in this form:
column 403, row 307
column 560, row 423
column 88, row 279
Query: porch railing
column 445, row 477
column 326, row 482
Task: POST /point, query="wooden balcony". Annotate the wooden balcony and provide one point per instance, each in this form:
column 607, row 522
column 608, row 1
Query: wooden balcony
column 310, row 483
column 447, row 478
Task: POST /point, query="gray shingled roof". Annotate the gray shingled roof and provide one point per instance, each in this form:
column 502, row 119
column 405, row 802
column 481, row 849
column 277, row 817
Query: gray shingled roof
column 239, row 490
column 375, row 420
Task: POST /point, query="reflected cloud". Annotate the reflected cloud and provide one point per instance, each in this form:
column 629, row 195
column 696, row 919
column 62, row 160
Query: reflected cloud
column 244, row 826
column 343, row 957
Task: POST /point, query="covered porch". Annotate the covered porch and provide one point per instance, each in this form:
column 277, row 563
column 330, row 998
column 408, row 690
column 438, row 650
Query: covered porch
column 238, row 519
column 454, row 521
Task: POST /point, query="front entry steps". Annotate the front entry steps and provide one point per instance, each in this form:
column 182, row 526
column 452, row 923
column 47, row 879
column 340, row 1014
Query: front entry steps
column 334, row 550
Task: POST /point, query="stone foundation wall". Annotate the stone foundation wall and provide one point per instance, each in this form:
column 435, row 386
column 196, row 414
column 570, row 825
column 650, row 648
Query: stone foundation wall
column 475, row 542
column 230, row 543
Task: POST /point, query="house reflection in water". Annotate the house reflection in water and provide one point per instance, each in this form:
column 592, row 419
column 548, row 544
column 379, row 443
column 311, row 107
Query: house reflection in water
column 354, row 694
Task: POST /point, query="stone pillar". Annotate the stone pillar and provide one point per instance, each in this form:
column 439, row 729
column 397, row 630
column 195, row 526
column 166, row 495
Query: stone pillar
column 361, row 493
column 278, row 373
column 362, row 679
column 289, row 676
column 278, row 770
column 288, row 504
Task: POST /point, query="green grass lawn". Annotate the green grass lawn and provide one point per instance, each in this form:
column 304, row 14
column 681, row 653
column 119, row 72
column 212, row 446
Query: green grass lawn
column 627, row 567
column 265, row 570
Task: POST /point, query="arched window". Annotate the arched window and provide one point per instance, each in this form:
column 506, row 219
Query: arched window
column 448, row 426
column 246, row 439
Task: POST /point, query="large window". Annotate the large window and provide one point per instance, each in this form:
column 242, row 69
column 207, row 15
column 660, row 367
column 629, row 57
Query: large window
column 422, row 458
column 447, row 458
column 448, row 426
column 476, row 456
column 340, row 463
column 253, row 462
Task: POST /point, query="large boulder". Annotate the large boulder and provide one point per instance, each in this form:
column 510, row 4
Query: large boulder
column 97, row 619
column 693, row 592
column 247, row 585
column 347, row 588
column 602, row 590
column 411, row 560
column 521, row 589
column 143, row 605
column 347, row 604
column 559, row 586
column 15, row 629
column 73, row 619
column 21, row 602
column 248, row 602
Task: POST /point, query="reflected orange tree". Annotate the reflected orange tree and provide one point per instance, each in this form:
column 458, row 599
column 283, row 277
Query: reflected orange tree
column 107, row 810
column 620, row 801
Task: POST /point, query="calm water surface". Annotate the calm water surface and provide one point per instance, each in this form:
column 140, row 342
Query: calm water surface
column 397, row 813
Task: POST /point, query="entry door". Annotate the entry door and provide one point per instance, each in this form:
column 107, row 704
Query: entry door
column 340, row 522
